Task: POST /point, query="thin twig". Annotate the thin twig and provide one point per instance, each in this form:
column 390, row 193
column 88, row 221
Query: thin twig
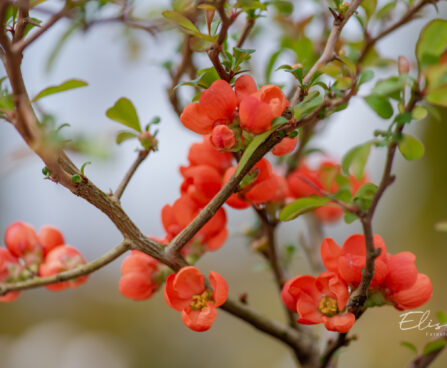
column 329, row 50
column 142, row 154
column 19, row 46
column 245, row 32
column 424, row 360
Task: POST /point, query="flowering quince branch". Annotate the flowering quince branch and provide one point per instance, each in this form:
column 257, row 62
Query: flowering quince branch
column 425, row 359
column 74, row 273
column 240, row 121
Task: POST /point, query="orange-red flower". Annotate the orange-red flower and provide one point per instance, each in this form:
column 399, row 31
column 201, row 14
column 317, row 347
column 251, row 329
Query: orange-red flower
column 284, row 147
column 200, row 182
column 21, row 240
column 49, row 238
column 139, row 271
column 319, row 300
column 223, row 138
column 60, row 259
column 205, row 154
column 257, row 111
column 404, row 286
column 262, row 187
column 176, row 217
column 349, row 260
column 216, row 106
column 10, row 270
column 185, row 291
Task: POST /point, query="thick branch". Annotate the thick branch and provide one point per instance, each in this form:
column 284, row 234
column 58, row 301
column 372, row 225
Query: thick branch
column 71, row 274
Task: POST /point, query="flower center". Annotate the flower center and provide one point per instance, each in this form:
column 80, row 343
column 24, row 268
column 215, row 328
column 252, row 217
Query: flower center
column 328, row 306
column 200, row 302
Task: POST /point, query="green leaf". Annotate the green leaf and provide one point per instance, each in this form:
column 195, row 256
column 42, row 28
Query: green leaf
column 365, row 76
column 441, row 226
column 369, row 6
column 437, row 96
column 390, row 87
column 254, row 144
column 355, row 160
column 76, row 178
column 349, row 217
column 433, row 346
column 380, row 105
column 410, row 147
column 65, row 86
column 124, row 136
column 271, row 64
column 308, row 105
column 124, row 113
column 432, row 43
column 181, row 20
column 419, row 113
column 84, row 165
column 301, row 206
column 410, row 346
column 284, row 7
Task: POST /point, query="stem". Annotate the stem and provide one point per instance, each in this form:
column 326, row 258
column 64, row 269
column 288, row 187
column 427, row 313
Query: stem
column 142, row 154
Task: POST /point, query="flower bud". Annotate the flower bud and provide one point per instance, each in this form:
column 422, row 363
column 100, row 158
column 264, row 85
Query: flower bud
column 147, row 140
column 403, row 65
column 284, row 147
column 223, row 138
column 21, row 240
column 49, row 238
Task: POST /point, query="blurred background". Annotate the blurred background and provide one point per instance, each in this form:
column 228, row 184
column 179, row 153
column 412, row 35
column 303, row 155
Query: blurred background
column 94, row 326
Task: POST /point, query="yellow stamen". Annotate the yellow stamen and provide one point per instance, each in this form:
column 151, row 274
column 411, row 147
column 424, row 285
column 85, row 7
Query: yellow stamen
column 328, row 306
column 200, row 302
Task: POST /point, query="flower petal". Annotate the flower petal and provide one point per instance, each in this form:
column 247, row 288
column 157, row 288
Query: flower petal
column 195, row 119
column 199, row 320
column 256, row 116
column 330, row 252
column 218, row 102
column 220, row 288
column 307, row 308
column 417, row 295
column 245, row 85
column 340, row 323
column 189, row 281
column 172, row 297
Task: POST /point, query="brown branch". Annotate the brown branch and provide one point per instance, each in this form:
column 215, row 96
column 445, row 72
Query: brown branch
column 245, row 32
column 142, row 154
column 329, row 50
column 424, row 360
column 68, row 275
column 20, row 45
column 301, row 344
column 214, row 50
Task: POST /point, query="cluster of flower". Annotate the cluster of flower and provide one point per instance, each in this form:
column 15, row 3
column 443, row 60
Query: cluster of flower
column 29, row 254
column 327, row 178
column 323, row 299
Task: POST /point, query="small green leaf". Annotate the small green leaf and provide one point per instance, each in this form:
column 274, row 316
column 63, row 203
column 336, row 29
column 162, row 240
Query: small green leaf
column 410, row 147
column 419, row 113
column 410, row 346
column 124, row 136
column 365, row 76
column 123, row 112
column 84, row 165
column 308, row 105
column 76, row 178
column 350, row 217
column 254, row 144
column 66, row 86
column 284, row 7
column 301, row 206
column 355, row 160
column 380, row 105
column 433, row 346
column 181, row 20
column 432, row 43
